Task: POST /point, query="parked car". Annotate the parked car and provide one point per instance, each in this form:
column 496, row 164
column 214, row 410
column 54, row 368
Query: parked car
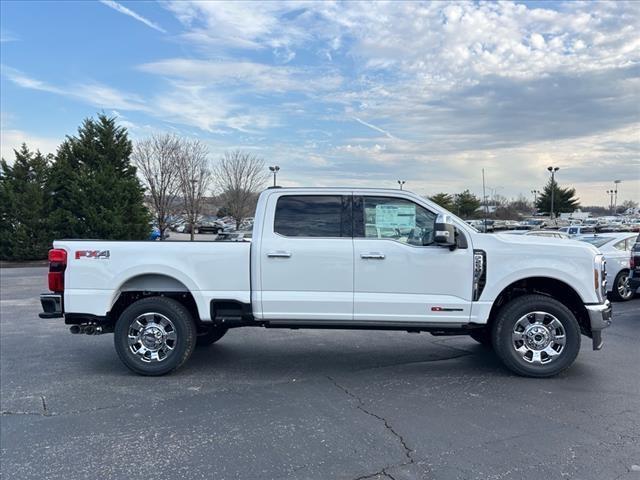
column 532, row 223
column 209, row 225
column 616, row 248
column 313, row 264
column 575, row 230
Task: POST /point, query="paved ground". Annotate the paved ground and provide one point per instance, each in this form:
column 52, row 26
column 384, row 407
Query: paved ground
column 267, row 404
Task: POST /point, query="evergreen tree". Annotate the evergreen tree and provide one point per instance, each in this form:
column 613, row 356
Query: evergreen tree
column 95, row 192
column 444, row 200
column 65, row 203
column 564, row 199
column 24, row 234
column 466, row 204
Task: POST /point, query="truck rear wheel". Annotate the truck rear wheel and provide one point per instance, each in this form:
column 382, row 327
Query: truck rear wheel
column 536, row 336
column 154, row 336
column 210, row 335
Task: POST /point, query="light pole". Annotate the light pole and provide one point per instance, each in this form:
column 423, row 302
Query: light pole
column 401, row 183
column 615, row 196
column 610, row 193
column 553, row 171
column 535, row 199
column 275, row 169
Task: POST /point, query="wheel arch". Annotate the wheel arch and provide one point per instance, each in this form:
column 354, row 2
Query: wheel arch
column 548, row 286
column 147, row 285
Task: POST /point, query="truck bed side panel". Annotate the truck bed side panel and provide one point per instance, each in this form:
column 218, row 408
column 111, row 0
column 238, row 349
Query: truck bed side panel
column 209, row 270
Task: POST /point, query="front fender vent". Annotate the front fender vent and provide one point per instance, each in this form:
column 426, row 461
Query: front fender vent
column 479, row 273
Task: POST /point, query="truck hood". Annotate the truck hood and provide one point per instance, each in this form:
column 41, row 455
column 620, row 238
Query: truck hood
column 526, row 243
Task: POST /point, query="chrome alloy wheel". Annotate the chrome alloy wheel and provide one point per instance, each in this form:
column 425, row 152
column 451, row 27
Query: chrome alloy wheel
column 152, row 337
column 538, row 337
column 624, row 289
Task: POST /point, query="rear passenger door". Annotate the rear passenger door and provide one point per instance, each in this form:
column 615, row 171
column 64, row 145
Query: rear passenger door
column 306, row 258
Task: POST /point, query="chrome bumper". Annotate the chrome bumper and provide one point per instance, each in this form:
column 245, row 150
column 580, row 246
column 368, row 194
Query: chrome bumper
column 600, row 318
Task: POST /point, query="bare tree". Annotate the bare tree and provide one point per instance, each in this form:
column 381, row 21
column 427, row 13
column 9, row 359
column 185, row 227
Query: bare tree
column 194, row 173
column 239, row 177
column 157, row 161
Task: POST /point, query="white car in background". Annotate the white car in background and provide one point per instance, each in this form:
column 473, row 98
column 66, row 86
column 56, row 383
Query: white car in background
column 574, row 230
column 616, row 248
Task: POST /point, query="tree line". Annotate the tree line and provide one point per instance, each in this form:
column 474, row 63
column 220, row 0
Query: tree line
column 95, row 186
column 469, row 206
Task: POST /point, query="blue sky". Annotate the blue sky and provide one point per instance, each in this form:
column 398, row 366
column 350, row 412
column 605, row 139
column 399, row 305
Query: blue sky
column 345, row 93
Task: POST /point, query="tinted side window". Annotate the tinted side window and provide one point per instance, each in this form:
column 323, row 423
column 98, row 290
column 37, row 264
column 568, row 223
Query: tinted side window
column 313, row 216
column 395, row 219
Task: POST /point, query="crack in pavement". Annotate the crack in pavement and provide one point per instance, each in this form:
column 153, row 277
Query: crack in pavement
column 408, row 451
column 48, row 413
column 44, row 405
column 45, row 411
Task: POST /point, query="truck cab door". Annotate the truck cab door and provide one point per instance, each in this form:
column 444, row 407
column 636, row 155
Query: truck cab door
column 400, row 274
column 306, row 257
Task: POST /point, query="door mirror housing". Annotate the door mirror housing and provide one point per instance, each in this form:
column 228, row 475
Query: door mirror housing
column 445, row 234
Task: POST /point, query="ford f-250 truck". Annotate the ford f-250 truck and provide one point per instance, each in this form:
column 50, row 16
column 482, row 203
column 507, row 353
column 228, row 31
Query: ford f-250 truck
column 336, row 258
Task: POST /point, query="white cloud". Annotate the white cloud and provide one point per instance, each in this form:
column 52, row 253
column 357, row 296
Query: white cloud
column 588, row 163
column 259, row 76
column 127, row 11
column 373, row 127
column 93, row 93
column 11, row 139
column 6, row 36
column 251, row 25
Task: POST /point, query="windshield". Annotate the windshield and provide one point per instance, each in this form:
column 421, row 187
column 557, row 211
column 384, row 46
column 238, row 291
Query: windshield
column 595, row 241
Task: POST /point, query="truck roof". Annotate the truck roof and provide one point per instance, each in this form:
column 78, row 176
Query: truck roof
column 343, row 188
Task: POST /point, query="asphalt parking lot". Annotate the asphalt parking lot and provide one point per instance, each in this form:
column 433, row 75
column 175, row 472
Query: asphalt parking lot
column 309, row 404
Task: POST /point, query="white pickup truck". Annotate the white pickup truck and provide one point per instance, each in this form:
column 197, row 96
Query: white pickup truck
column 336, row 258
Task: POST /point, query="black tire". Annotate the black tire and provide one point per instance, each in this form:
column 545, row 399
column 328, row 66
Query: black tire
column 157, row 309
column 514, row 315
column 210, row 335
column 627, row 293
column 482, row 336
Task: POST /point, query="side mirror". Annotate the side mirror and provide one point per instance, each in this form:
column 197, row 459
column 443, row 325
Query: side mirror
column 445, row 235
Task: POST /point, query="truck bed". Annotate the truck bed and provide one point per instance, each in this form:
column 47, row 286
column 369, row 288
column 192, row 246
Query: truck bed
column 98, row 270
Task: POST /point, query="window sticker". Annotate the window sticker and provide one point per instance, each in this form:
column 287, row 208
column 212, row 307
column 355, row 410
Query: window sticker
column 395, row 216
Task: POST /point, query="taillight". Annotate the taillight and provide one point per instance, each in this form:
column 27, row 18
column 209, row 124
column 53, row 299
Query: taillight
column 632, row 264
column 57, row 266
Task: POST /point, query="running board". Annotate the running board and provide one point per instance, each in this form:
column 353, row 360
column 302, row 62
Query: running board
column 434, row 328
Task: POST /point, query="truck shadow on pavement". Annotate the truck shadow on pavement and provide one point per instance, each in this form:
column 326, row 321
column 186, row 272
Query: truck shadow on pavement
column 262, row 361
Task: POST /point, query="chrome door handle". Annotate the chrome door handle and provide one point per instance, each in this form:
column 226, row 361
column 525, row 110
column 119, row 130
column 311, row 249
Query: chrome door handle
column 372, row 256
column 279, row 254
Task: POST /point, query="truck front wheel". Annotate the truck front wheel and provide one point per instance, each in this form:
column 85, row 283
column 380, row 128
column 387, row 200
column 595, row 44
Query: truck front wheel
column 536, row 336
column 154, row 336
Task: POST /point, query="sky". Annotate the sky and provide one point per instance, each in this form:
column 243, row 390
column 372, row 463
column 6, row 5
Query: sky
column 345, row 93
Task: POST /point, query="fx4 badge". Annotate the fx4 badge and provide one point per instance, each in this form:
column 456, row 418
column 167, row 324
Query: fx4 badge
column 97, row 254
